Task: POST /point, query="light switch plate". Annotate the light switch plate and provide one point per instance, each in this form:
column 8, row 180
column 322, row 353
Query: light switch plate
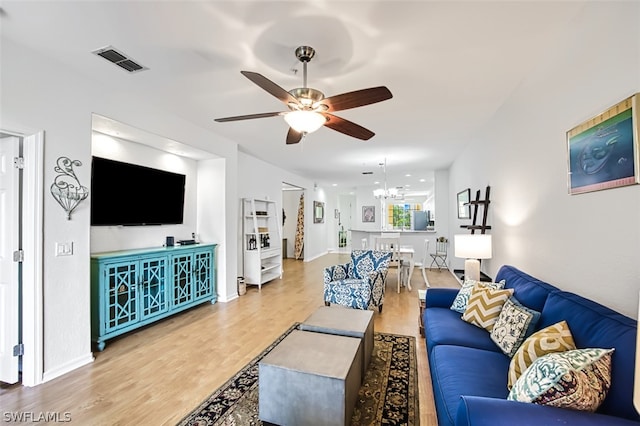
column 64, row 249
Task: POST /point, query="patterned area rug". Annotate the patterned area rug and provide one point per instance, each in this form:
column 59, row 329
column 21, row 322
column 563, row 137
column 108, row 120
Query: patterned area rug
column 389, row 394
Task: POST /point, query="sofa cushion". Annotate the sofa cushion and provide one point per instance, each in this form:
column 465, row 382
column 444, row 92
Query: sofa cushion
column 483, row 375
column 462, row 298
column 443, row 326
column 554, row 338
column 596, row 326
column 529, row 291
column 485, row 305
column 577, row 379
column 515, row 323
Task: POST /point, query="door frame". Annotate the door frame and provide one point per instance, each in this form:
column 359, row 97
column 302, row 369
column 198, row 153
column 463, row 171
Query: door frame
column 32, row 266
column 32, row 244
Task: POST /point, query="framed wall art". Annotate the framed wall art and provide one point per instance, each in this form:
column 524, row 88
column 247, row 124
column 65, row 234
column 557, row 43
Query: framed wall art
column 318, row 212
column 603, row 151
column 368, row 214
column 464, row 208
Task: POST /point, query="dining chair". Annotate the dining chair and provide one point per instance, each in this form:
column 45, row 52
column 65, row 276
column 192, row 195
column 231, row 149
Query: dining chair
column 440, row 255
column 392, row 245
column 423, row 264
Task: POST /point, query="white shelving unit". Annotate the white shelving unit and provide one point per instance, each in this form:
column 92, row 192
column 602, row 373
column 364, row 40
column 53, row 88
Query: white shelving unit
column 261, row 241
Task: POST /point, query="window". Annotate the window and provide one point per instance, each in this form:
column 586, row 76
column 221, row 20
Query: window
column 399, row 215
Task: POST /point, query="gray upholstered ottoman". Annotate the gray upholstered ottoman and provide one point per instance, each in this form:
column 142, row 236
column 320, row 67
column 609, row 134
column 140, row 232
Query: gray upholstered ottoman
column 344, row 322
column 310, row 379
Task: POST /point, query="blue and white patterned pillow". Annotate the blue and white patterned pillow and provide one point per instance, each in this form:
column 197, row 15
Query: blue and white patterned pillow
column 462, row 298
column 515, row 323
column 577, row 379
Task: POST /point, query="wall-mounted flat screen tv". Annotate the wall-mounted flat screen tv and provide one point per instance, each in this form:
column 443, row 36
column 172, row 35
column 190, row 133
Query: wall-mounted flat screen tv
column 129, row 194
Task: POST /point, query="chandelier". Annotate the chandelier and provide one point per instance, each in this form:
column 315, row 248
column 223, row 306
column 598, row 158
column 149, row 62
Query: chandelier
column 385, row 193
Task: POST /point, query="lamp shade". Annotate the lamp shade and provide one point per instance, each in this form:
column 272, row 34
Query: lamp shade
column 304, row 121
column 473, row 246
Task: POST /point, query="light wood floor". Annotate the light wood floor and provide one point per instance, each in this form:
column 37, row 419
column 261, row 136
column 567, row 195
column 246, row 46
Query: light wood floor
column 157, row 375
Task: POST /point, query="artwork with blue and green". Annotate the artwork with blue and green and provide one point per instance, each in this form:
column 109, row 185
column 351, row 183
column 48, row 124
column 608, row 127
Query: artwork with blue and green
column 603, row 156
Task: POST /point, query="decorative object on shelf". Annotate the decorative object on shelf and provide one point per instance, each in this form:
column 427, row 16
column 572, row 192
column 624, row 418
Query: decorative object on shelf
column 66, row 192
column 603, row 151
column 472, row 247
column 318, row 212
column 384, row 193
column 368, row 214
column 464, row 208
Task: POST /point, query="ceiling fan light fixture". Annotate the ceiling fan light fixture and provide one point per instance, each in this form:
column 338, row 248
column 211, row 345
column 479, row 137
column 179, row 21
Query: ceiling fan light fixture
column 304, row 121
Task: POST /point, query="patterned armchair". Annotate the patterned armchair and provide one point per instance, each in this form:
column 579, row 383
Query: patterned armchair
column 360, row 283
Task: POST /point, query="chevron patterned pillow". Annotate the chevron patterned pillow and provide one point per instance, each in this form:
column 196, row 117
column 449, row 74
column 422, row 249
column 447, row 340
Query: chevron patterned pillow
column 462, row 298
column 484, row 306
column 555, row 338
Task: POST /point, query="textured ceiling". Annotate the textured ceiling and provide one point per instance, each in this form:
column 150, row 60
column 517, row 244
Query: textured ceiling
column 450, row 66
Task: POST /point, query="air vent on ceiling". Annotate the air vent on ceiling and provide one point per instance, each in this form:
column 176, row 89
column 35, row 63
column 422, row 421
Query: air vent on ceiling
column 119, row 58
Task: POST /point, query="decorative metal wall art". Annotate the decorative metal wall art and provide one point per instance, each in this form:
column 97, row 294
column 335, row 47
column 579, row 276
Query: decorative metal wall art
column 66, row 188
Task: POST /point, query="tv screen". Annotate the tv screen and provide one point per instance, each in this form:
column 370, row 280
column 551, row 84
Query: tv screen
column 128, row 194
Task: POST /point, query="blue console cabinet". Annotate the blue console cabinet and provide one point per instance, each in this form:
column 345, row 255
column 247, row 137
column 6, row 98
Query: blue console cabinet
column 133, row 288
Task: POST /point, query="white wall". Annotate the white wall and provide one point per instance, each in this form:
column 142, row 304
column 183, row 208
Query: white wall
column 214, row 222
column 588, row 243
column 364, row 197
column 41, row 94
column 259, row 179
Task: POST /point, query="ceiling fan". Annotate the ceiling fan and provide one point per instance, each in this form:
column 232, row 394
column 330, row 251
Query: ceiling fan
column 309, row 109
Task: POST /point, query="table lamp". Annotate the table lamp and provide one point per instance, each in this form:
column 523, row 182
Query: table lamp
column 472, row 247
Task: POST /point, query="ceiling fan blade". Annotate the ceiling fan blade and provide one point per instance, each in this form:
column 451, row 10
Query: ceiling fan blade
column 357, row 98
column 293, row 136
column 347, row 127
column 249, row 117
column 270, row 87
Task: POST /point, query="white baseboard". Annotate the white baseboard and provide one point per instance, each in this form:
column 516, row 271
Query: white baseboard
column 67, row 367
column 221, row 299
column 315, row 257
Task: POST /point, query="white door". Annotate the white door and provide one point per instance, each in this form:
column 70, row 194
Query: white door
column 9, row 285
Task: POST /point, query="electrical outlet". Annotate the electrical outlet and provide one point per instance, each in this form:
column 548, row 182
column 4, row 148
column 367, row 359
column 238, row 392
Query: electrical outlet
column 64, row 249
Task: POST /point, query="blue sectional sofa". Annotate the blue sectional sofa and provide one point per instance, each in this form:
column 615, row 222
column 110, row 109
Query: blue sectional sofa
column 469, row 372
